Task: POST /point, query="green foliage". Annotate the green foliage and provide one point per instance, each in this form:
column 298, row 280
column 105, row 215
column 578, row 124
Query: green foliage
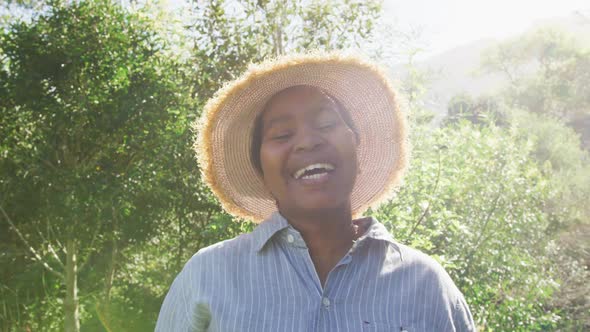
column 484, row 110
column 337, row 24
column 549, row 73
column 228, row 38
column 475, row 201
column 558, row 147
column 87, row 101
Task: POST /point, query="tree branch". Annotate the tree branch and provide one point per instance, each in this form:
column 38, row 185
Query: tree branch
column 479, row 240
column 48, row 163
column 434, row 188
column 31, row 249
column 59, row 262
column 52, row 233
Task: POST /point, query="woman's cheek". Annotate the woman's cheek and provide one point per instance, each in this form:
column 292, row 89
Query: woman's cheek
column 271, row 157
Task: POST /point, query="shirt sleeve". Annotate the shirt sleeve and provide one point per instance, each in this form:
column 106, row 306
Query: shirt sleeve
column 183, row 309
column 462, row 318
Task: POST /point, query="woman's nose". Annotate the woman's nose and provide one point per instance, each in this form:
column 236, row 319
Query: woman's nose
column 307, row 139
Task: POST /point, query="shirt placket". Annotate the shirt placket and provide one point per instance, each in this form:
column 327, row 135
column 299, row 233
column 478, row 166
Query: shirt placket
column 324, row 295
column 327, row 314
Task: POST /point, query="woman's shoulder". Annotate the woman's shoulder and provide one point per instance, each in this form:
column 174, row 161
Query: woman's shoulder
column 427, row 271
column 416, row 257
column 222, row 250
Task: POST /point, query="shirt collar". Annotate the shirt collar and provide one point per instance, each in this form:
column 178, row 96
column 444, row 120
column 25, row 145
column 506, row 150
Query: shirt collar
column 276, row 223
column 267, row 229
column 376, row 231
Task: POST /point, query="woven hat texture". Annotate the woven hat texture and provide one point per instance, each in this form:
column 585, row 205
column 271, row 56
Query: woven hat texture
column 224, row 129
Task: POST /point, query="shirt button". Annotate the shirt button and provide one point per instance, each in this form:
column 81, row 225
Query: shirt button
column 326, row 302
column 290, row 238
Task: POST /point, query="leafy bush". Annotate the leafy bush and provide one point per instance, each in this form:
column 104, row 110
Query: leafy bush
column 475, row 200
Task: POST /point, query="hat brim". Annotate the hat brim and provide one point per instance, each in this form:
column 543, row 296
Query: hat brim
column 224, row 130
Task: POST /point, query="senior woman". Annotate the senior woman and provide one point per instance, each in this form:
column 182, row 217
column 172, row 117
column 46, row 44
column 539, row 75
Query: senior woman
column 304, row 145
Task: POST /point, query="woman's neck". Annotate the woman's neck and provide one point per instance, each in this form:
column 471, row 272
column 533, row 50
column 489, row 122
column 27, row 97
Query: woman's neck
column 328, row 235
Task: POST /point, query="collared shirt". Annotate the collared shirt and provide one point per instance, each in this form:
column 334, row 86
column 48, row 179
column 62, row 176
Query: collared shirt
column 266, row 281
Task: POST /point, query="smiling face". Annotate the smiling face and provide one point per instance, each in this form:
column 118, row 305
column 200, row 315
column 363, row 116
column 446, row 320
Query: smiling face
column 307, row 152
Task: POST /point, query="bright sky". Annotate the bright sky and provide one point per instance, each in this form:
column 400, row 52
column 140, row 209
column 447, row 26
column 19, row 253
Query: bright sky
column 450, row 23
column 446, row 24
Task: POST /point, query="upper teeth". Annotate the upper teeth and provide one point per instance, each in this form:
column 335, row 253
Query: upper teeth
column 300, row 172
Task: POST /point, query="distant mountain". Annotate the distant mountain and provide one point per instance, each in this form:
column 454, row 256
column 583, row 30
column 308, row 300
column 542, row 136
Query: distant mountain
column 456, row 70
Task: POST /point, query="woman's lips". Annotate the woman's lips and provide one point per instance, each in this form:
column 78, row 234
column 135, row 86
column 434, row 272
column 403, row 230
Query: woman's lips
column 315, row 179
column 313, row 169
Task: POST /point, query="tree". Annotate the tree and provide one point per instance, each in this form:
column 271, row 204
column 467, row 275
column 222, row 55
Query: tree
column 549, row 79
column 87, row 98
column 558, row 148
column 547, row 70
column 226, row 41
column 483, row 110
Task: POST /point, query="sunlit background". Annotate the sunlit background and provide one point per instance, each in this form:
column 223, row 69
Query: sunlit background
column 101, row 201
column 448, row 24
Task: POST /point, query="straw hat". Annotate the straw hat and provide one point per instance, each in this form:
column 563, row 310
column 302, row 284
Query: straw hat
column 224, row 130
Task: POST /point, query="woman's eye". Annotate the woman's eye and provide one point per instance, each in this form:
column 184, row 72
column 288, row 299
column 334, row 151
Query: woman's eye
column 326, row 125
column 281, row 137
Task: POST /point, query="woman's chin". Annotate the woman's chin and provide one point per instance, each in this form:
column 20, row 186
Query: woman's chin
column 321, row 207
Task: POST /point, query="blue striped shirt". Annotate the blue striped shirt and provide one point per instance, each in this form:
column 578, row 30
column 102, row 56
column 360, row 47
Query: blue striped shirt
column 266, row 281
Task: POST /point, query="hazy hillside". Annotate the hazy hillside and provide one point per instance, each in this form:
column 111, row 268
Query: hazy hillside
column 456, row 70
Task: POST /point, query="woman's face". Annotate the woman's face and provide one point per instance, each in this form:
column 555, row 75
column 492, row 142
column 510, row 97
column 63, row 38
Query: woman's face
column 307, row 152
